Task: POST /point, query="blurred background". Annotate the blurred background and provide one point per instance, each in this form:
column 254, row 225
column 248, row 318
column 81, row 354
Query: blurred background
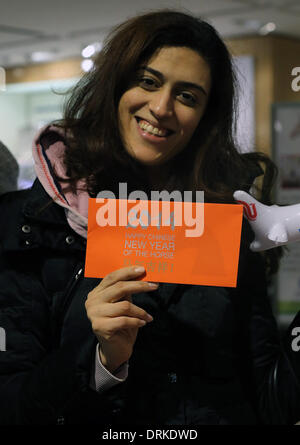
column 46, row 46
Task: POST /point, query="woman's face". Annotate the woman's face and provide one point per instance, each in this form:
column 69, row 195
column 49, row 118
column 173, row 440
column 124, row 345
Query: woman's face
column 160, row 111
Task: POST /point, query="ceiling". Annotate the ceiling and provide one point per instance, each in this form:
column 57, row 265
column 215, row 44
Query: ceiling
column 65, row 27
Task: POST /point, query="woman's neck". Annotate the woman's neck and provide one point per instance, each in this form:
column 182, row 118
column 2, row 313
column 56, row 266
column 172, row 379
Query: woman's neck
column 157, row 176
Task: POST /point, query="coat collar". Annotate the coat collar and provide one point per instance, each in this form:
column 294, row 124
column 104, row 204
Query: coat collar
column 36, row 222
column 40, row 207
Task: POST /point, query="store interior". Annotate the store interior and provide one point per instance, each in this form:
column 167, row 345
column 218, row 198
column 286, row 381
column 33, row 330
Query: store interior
column 45, row 48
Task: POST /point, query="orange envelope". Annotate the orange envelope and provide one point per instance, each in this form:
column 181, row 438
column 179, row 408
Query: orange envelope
column 170, row 249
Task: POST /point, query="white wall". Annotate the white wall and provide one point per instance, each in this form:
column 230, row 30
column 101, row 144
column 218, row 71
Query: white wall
column 13, row 115
column 24, row 109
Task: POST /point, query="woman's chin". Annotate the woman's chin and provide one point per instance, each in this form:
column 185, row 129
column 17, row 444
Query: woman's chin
column 149, row 159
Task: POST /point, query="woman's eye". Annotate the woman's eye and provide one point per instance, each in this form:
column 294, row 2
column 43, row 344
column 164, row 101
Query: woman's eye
column 147, row 83
column 187, row 98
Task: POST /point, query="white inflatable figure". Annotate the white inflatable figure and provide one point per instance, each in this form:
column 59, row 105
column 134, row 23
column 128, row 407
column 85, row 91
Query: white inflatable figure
column 273, row 226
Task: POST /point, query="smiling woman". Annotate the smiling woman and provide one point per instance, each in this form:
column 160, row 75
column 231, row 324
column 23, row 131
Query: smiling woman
column 156, row 113
column 159, row 105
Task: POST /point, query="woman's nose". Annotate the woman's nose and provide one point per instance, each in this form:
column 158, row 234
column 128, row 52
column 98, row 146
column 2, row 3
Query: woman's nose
column 161, row 104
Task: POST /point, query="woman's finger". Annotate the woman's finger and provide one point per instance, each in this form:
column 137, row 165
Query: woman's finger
column 106, row 329
column 123, row 274
column 120, row 290
column 126, row 288
column 121, row 308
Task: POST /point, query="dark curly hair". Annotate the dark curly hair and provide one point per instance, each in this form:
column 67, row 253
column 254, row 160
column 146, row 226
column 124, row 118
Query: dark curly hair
column 211, row 161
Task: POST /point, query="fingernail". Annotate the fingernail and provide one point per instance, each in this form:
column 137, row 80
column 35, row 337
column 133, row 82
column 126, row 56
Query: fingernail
column 139, row 269
column 142, row 323
column 149, row 317
column 152, row 284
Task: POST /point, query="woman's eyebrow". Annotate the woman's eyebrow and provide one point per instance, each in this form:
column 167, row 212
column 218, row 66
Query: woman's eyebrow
column 182, row 83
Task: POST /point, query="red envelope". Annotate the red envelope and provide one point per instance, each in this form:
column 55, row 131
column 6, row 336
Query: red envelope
column 204, row 254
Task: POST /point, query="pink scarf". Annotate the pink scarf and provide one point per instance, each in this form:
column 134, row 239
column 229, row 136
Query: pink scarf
column 46, row 163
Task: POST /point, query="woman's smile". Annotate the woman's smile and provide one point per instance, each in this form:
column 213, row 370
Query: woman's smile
column 164, row 104
column 152, row 131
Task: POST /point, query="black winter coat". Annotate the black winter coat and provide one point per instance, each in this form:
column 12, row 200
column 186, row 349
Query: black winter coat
column 212, row 355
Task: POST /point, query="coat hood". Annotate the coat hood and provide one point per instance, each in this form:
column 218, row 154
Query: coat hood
column 48, row 154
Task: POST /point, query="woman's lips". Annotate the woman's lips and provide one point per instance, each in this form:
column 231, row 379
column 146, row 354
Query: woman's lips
column 149, row 135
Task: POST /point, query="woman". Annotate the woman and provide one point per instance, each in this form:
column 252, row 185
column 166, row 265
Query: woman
column 156, row 113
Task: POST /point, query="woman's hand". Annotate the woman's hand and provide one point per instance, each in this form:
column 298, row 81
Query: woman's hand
column 115, row 319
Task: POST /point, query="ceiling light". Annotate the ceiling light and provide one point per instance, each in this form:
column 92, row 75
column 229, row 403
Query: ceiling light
column 87, row 65
column 267, row 28
column 90, row 50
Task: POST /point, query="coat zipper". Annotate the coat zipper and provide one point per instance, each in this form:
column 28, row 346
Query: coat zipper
column 68, row 297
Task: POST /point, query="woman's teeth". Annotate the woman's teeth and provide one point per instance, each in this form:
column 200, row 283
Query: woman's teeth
column 152, row 130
